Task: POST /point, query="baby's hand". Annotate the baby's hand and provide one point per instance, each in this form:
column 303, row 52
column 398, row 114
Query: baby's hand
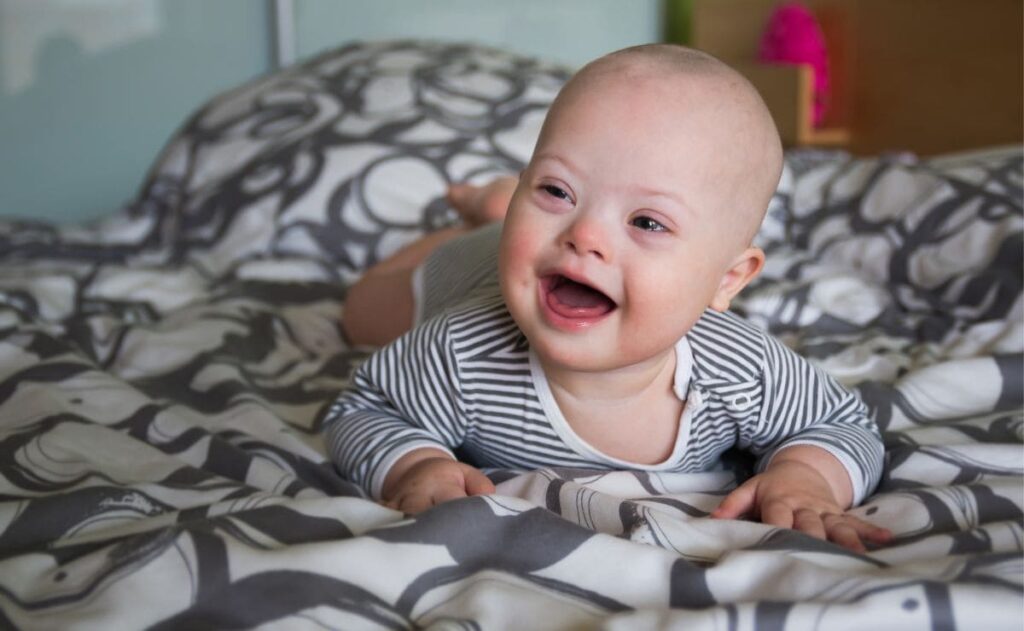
column 434, row 480
column 794, row 494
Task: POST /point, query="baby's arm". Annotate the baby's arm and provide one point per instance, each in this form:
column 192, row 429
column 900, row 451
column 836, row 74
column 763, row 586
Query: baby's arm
column 404, row 409
column 819, row 451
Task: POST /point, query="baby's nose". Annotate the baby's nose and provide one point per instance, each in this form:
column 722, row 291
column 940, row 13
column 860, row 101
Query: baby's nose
column 588, row 236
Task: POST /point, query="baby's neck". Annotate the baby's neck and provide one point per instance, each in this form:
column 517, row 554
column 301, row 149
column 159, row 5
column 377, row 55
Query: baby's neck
column 631, row 414
column 621, row 386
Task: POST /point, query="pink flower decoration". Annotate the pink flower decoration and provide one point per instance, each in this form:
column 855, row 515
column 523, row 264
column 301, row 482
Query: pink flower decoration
column 793, row 36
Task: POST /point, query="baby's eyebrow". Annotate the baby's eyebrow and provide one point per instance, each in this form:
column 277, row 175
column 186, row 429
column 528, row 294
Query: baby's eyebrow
column 646, row 192
column 565, row 162
column 639, row 190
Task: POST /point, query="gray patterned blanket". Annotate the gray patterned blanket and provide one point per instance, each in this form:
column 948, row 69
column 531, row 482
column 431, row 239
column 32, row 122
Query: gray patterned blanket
column 163, row 372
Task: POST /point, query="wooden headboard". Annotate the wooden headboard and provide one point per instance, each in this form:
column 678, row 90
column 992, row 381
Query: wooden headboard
column 929, row 76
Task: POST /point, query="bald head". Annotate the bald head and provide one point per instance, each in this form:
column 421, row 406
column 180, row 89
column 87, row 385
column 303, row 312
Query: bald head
column 740, row 145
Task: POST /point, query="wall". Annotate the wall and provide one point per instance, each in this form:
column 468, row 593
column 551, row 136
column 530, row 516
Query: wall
column 926, row 76
column 568, row 31
column 91, row 89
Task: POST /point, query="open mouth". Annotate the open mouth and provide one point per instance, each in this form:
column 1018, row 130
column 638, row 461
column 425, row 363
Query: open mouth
column 574, row 300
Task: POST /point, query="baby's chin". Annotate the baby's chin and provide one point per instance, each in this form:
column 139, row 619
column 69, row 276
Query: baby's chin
column 576, row 357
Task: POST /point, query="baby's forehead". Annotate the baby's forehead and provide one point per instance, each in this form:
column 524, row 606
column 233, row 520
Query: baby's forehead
column 702, row 111
column 679, row 66
column 685, row 90
column 689, row 102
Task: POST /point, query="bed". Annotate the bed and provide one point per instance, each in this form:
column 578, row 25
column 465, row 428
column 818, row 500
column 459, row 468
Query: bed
column 163, row 373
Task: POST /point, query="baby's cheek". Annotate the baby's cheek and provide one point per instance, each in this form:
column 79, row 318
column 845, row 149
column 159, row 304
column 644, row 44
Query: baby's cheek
column 515, row 276
column 669, row 303
column 516, row 255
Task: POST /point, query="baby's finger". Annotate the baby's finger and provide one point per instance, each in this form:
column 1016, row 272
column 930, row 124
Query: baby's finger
column 777, row 513
column 869, row 531
column 840, row 531
column 809, row 521
column 477, row 483
column 877, row 534
column 414, row 503
column 448, row 492
column 739, row 502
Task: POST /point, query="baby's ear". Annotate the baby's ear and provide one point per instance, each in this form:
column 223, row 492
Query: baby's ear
column 744, row 269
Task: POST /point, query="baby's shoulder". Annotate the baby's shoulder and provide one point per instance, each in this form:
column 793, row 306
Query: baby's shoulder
column 727, row 347
column 481, row 325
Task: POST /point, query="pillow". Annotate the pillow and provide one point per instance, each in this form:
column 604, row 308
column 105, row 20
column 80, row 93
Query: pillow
column 340, row 160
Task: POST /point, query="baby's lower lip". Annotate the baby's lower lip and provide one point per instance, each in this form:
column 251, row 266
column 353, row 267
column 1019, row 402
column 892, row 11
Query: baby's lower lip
column 566, row 317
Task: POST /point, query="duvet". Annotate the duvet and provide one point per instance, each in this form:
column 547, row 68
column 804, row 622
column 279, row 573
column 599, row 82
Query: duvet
column 163, row 373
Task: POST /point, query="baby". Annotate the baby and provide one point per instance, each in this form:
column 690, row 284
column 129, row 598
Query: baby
column 590, row 328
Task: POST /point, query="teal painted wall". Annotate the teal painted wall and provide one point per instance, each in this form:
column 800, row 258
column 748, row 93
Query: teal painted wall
column 568, row 31
column 91, row 90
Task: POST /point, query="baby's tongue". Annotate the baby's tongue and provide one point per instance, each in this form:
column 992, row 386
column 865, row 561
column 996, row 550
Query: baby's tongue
column 573, row 300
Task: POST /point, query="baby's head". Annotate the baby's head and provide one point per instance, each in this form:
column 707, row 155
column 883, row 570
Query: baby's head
column 636, row 212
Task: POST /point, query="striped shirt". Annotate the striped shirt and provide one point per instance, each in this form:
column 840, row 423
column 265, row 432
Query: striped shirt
column 467, row 379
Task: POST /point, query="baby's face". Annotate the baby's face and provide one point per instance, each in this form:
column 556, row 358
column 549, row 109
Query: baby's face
column 618, row 236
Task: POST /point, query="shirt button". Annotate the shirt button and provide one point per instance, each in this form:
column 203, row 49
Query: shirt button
column 739, row 403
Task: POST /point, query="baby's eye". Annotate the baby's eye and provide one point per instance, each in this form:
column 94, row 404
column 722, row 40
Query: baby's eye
column 554, row 191
column 647, row 224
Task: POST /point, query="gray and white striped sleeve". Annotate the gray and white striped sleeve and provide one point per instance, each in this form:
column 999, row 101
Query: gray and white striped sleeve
column 803, row 405
column 404, row 397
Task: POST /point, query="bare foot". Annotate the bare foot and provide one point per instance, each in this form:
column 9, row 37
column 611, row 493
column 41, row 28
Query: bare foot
column 481, row 205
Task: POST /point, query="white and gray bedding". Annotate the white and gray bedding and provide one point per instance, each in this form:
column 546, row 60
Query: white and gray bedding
column 163, row 374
